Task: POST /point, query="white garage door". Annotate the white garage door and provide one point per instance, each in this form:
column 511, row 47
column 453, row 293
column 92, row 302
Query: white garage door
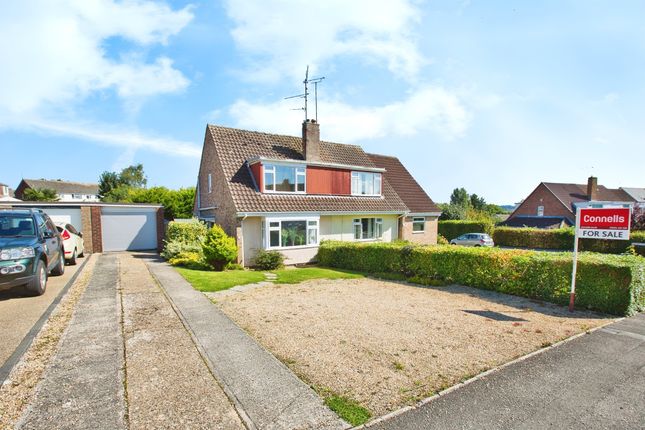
column 129, row 229
column 65, row 215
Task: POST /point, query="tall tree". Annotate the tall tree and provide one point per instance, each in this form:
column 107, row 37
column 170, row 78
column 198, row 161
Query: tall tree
column 40, row 195
column 477, row 202
column 459, row 197
column 133, row 176
column 107, row 182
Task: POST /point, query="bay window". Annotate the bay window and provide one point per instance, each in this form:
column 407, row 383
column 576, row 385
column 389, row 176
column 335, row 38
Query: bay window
column 280, row 178
column 366, row 183
column 285, row 233
column 368, row 228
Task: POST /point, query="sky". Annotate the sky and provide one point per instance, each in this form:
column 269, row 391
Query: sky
column 492, row 96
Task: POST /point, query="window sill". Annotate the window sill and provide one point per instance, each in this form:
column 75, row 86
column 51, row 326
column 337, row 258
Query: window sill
column 379, row 239
column 418, row 232
column 286, row 248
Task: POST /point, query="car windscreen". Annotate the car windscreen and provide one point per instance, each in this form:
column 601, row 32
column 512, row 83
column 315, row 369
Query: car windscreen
column 16, row 225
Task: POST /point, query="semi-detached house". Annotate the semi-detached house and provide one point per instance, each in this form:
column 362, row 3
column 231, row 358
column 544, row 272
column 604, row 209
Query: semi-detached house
column 288, row 193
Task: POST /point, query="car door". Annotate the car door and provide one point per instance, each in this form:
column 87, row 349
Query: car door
column 472, row 240
column 78, row 240
column 50, row 239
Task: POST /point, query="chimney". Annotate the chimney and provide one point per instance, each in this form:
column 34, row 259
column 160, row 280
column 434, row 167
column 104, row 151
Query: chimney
column 311, row 140
column 592, row 188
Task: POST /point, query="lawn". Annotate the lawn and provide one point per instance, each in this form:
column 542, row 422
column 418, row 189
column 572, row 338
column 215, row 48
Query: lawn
column 209, row 281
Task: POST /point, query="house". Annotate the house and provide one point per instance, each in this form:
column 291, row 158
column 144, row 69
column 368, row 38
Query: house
column 67, row 191
column 6, row 194
column 554, row 205
column 288, row 193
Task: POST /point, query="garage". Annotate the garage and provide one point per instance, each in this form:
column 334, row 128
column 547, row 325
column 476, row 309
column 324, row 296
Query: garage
column 69, row 215
column 129, row 228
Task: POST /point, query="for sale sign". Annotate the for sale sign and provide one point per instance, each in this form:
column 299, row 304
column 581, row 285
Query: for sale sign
column 604, row 223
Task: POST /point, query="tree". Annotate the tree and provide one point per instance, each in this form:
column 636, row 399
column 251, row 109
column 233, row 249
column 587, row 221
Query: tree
column 133, row 176
column 638, row 217
column 176, row 203
column 478, row 203
column 459, row 197
column 40, row 195
column 107, row 182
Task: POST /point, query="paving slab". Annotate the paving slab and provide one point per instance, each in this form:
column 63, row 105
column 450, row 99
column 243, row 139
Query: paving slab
column 83, row 386
column 596, row 381
column 267, row 394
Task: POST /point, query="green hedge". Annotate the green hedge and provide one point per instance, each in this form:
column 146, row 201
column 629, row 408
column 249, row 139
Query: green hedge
column 606, row 283
column 562, row 239
column 454, row 228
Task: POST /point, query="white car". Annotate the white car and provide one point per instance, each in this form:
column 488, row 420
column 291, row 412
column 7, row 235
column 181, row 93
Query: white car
column 72, row 242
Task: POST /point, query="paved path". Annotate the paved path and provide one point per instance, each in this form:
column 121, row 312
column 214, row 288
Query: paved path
column 269, row 394
column 19, row 312
column 596, row 381
column 83, row 386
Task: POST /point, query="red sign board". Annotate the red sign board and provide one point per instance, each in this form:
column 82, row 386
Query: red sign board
column 605, row 218
column 604, row 223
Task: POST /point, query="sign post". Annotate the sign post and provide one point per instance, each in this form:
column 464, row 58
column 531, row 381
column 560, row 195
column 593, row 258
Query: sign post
column 598, row 221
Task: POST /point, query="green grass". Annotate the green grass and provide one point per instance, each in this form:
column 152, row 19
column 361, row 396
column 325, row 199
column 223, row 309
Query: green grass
column 300, row 274
column 209, row 281
column 348, row 409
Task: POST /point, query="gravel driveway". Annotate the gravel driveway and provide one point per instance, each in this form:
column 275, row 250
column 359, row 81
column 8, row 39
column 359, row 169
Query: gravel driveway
column 387, row 344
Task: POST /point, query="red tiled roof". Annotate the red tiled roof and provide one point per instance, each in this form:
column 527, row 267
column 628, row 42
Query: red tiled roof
column 576, row 193
column 408, row 189
column 235, row 146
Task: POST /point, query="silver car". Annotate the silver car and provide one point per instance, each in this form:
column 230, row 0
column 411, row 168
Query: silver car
column 473, row 239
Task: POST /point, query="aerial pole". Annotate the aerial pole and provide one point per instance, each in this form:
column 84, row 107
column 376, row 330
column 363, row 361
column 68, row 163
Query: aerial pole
column 305, row 95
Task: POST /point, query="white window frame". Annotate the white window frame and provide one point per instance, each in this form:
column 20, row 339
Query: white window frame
column 5, row 190
column 311, row 223
column 540, row 211
column 377, row 178
column 210, row 183
column 300, row 172
column 378, row 228
column 419, row 220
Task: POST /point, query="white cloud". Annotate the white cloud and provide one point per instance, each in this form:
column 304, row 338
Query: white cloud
column 54, row 53
column 284, row 36
column 429, row 109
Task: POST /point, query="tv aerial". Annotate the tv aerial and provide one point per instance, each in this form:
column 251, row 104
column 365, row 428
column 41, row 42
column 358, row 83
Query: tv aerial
column 305, row 95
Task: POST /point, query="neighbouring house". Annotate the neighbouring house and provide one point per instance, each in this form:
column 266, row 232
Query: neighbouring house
column 6, row 194
column 67, row 191
column 554, row 205
column 288, row 193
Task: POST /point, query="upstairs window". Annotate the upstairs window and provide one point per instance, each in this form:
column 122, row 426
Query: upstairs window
column 284, row 179
column 210, row 183
column 368, row 228
column 540, row 211
column 366, row 184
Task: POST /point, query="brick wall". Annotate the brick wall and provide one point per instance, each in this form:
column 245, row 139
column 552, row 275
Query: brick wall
column 541, row 196
column 161, row 229
column 86, row 219
column 97, row 235
column 220, row 196
column 427, row 237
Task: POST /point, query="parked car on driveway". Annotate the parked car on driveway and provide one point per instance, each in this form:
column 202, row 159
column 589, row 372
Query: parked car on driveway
column 30, row 248
column 473, row 239
column 72, row 242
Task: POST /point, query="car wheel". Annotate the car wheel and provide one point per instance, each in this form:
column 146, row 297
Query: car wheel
column 72, row 261
column 452, row 243
column 82, row 254
column 38, row 284
column 59, row 269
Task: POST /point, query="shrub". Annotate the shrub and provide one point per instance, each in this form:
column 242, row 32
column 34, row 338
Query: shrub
column 607, row 283
column 455, row 228
column 183, row 237
column 219, row 248
column 233, row 266
column 191, row 260
column 441, row 240
column 268, row 260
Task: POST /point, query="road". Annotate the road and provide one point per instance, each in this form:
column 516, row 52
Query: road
column 19, row 311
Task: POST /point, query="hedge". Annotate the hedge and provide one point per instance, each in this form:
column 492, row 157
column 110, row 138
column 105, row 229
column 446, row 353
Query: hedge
column 454, row 228
column 606, row 283
column 561, row 239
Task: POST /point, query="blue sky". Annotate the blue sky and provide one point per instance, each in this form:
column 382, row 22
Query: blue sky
column 491, row 96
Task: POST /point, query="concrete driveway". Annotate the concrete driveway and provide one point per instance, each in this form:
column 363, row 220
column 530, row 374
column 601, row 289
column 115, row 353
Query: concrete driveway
column 19, row 311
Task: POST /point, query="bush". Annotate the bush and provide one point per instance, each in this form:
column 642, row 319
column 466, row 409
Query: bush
column 191, row 260
column 607, row 283
column 455, row 228
column 441, row 240
column 268, row 260
column 561, row 239
column 219, row 248
column 182, row 237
